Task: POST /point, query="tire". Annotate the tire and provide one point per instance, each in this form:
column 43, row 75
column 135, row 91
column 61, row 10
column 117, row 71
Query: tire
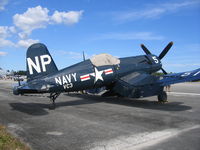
column 162, row 97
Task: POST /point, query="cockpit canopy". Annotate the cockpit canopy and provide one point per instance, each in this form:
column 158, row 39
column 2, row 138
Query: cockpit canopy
column 104, row 59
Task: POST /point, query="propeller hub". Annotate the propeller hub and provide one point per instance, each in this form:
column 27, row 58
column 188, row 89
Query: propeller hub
column 156, row 63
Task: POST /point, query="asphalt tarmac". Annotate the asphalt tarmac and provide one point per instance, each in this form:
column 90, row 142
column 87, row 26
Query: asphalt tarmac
column 82, row 122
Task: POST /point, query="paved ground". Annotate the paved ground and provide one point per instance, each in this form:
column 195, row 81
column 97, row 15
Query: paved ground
column 91, row 122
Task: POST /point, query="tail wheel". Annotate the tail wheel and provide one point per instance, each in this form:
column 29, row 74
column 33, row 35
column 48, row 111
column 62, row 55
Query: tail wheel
column 162, row 97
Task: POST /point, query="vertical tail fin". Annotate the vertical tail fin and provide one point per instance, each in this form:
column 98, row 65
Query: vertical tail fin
column 39, row 61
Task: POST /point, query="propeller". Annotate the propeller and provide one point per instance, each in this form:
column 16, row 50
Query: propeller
column 162, row 54
column 145, row 49
column 163, row 71
column 165, row 50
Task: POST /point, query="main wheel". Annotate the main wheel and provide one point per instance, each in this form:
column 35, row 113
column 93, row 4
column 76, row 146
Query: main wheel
column 162, row 97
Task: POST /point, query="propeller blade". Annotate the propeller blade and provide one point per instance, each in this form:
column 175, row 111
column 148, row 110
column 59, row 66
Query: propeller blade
column 145, row 49
column 166, row 49
column 163, row 71
column 83, row 56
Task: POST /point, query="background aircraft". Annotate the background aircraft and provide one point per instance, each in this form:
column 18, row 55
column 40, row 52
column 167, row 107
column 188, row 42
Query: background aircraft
column 127, row 77
column 4, row 73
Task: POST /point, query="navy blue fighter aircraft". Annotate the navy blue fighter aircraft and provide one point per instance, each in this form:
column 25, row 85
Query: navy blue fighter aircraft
column 126, row 77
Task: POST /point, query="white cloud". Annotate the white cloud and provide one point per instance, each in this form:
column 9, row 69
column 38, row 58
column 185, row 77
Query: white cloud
column 180, row 5
column 26, row 43
column 3, row 3
column 12, row 29
column 6, row 43
column 3, row 53
column 4, row 31
column 130, row 36
column 37, row 17
column 67, row 18
column 155, row 11
column 33, row 18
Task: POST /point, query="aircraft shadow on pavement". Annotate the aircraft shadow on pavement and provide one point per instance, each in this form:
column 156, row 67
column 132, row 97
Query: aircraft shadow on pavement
column 43, row 109
column 35, row 109
column 140, row 103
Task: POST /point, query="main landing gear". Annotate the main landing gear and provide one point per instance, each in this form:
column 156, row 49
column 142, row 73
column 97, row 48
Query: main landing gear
column 53, row 97
column 162, row 97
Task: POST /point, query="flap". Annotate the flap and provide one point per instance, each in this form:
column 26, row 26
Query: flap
column 139, row 79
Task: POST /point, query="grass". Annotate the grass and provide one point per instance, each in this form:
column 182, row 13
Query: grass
column 8, row 142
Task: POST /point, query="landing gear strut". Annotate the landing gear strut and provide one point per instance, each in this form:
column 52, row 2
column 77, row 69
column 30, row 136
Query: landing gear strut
column 162, row 97
column 53, row 97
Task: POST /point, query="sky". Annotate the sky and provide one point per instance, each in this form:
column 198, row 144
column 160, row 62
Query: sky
column 117, row 27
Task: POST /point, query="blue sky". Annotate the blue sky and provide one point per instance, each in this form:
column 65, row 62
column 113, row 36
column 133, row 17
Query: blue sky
column 117, row 27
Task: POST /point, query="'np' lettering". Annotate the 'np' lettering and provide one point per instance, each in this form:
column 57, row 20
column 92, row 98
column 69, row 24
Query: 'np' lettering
column 44, row 59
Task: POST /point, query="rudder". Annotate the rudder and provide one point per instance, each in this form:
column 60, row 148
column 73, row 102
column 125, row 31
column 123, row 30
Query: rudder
column 39, row 61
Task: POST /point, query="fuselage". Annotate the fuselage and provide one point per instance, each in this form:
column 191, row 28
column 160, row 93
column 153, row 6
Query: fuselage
column 85, row 75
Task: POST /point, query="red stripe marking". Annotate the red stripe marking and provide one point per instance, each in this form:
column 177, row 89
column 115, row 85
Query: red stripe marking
column 108, row 71
column 85, row 77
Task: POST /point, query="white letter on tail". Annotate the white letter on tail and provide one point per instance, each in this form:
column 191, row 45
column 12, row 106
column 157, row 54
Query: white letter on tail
column 44, row 63
column 32, row 64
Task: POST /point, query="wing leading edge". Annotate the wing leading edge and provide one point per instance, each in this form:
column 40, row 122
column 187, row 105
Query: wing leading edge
column 174, row 78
